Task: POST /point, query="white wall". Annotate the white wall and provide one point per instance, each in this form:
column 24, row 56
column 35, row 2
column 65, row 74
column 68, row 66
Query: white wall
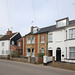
column 5, row 47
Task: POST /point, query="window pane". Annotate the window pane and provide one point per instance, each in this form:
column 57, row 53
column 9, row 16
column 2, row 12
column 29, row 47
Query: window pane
column 33, row 39
column 2, row 43
column 50, row 38
column 42, row 50
column 61, row 23
column 72, row 52
column 28, row 39
column 42, row 38
column 72, row 33
column 72, row 49
column 19, row 44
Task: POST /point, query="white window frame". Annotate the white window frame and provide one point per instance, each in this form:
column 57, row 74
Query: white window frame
column 42, row 38
column 3, row 43
column 2, row 51
column 28, row 41
column 33, row 40
column 7, row 51
column 28, row 53
column 33, row 52
column 61, row 23
column 72, row 33
column 19, row 44
column 50, row 38
column 71, row 52
column 42, row 50
column 12, row 42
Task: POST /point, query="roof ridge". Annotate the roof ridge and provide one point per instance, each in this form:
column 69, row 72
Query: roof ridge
column 48, row 26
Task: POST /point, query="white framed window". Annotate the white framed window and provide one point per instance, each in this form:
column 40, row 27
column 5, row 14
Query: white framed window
column 19, row 44
column 2, row 51
column 12, row 42
column 42, row 39
column 32, row 52
column 61, row 23
column 33, row 39
column 72, row 53
column 72, row 33
column 3, row 43
column 7, row 51
column 28, row 52
column 42, row 50
column 28, row 39
column 50, row 37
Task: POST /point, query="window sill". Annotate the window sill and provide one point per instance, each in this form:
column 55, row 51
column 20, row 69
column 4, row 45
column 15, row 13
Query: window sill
column 50, row 42
column 42, row 42
column 70, row 39
column 70, row 59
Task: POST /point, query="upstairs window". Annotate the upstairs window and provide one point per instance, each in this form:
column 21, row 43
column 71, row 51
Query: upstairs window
column 33, row 39
column 19, row 44
column 12, row 42
column 28, row 40
column 61, row 23
column 3, row 43
column 42, row 38
column 72, row 33
column 50, row 38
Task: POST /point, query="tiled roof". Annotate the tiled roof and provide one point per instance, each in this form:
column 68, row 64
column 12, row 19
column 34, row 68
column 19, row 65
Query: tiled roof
column 7, row 37
column 51, row 28
column 21, row 39
column 72, row 22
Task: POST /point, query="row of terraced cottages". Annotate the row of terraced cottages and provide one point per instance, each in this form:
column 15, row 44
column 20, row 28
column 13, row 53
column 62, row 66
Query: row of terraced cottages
column 57, row 41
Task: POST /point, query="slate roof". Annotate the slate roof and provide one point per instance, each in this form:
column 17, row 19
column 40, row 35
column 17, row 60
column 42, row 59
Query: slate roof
column 7, row 37
column 51, row 28
column 72, row 22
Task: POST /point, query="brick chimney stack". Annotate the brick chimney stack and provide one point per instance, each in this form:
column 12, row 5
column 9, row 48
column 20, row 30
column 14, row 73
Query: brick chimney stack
column 9, row 32
column 32, row 28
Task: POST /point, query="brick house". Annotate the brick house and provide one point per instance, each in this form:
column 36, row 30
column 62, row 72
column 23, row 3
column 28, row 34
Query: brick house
column 36, row 41
column 20, row 45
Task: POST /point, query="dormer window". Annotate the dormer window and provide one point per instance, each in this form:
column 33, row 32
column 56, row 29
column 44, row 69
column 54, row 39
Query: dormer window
column 62, row 22
column 35, row 29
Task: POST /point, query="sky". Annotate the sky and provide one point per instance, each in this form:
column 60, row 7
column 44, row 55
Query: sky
column 20, row 15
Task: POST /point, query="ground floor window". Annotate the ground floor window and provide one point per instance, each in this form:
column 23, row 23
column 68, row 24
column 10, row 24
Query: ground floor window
column 28, row 52
column 72, row 53
column 32, row 51
column 42, row 50
column 7, row 51
column 2, row 51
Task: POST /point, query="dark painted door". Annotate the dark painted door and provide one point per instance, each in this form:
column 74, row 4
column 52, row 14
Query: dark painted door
column 58, row 55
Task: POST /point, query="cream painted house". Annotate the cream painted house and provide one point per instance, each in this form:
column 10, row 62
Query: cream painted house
column 61, row 41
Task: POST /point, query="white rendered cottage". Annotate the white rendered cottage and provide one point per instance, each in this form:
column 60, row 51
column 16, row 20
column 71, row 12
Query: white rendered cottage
column 61, row 41
column 6, row 41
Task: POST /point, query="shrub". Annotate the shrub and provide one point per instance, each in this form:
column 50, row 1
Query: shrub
column 40, row 54
column 15, row 54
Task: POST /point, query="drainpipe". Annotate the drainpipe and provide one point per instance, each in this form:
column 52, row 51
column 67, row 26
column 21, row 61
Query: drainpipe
column 23, row 46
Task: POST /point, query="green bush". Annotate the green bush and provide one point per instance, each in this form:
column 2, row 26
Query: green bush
column 14, row 53
column 40, row 54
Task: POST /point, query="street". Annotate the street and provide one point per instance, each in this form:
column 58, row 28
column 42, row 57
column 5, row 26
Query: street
column 20, row 68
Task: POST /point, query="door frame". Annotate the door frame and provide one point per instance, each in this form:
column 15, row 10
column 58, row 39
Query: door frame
column 58, row 56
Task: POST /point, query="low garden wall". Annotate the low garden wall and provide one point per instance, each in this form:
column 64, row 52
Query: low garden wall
column 19, row 59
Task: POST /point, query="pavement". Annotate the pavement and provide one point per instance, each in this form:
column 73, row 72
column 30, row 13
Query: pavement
column 19, row 68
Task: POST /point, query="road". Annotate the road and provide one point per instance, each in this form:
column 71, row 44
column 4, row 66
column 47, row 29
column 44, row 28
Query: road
column 19, row 68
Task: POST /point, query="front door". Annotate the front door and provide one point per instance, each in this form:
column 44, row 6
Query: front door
column 58, row 55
